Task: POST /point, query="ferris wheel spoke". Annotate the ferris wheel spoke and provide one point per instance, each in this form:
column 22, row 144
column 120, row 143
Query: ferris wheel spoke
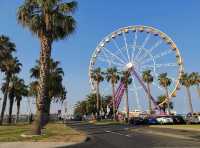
column 107, row 58
column 138, row 53
column 134, row 46
column 126, row 46
column 159, row 42
column 118, row 48
column 135, row 89
column 146, row 61
column 113, row 55
column 157, row 56
column 146, row 40
column 160, row 65
column 158, row 86
column 110, row 62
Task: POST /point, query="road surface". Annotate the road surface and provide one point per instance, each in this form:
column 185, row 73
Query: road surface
column 123, row 136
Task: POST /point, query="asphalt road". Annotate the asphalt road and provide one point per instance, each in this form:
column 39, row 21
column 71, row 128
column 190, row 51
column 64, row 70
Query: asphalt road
column 123, row 136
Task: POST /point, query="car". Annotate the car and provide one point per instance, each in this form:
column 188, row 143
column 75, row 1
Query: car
column 177, row 119
column 164, row 120
column 138, row 121
column 192, row 118
column 152, row 121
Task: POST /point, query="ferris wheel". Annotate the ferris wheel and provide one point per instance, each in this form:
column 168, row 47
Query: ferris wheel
column 144, row 47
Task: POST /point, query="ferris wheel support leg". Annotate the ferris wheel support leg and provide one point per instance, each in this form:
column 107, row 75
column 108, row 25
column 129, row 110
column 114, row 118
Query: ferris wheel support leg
column 144, row 87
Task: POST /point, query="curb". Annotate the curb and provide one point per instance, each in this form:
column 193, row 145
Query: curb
column 177, row 128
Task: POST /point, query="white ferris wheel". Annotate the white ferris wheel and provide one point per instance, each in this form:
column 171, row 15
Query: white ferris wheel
column 146, row 48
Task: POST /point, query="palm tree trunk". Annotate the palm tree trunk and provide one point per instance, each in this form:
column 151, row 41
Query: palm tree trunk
column 189, row 100
column 18, row 109
column 47, row 111
column 127, row 105
column 149, row 98
column 10, row 109
column 168, row 101
column 97, row 95
column 45, row 55
column 198, row 90
column 113, row 101
column 4, row 100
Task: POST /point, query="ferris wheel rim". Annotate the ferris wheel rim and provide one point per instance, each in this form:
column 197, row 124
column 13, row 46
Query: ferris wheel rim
column 148, row 29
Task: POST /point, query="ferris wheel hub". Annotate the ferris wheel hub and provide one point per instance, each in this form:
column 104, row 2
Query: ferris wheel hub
column 129, row 65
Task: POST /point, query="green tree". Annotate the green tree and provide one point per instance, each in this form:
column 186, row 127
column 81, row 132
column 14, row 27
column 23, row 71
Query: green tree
column 113, row 77
column 185, row 80
column 164, row 106
column 21, row 90
column 49, row 20
column 88, row 105
column 165, row 82
column 16, row 90
column 6, row 49
column 148, row 79
column 97, row 76
column 9, row 66
column 127, row 80
column 56, row 90
column 195, row 80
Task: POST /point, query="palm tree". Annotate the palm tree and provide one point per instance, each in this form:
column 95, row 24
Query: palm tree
column 6, row 49
column 9, row 66
column 127, row 80
column 16, row 89
column 164, row 106
column 56, row 90
column 165, row 82
column 148, row 79
column 185, row 80
column 49, row 20
column 195, row 80
column 113, row 77
column 21, row 91
column 97, row 76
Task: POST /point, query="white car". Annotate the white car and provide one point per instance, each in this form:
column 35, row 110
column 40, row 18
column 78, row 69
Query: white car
column 164, row 120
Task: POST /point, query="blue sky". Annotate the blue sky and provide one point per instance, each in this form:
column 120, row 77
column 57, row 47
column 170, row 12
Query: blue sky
column 97, row 18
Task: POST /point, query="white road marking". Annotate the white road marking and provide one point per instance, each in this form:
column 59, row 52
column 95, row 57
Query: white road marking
column 118, row 133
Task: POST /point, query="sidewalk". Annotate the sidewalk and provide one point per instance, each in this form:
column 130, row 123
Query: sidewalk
column 33, row 144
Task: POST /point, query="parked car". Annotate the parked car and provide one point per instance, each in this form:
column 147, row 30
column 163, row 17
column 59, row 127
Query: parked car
column 152, row 121
column 138, row 121
column 164, row 120
column 178, row 119
column 192, row 118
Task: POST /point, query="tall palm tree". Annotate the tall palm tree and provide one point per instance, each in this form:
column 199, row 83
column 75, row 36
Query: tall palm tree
column 112, row 76
column 49, row 20
column 148, row 79
column 9, row 66
column 97, row 76
column 56, row 90
column 6, row 49
column 165, row 82
column 185, row 80
column 21, row 90
column 195, row 80
column 16, row 89
column 127, row 80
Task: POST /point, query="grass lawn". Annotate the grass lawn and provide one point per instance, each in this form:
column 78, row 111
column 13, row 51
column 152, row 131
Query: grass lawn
column 106, row 122
column 54, row 132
